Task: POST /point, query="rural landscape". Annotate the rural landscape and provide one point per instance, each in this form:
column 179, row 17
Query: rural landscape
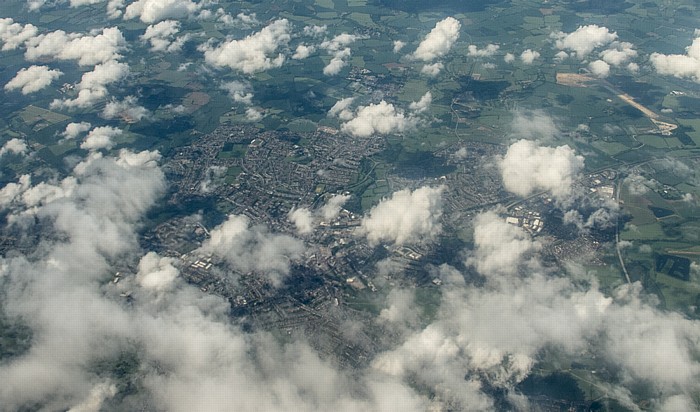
column 356, row 205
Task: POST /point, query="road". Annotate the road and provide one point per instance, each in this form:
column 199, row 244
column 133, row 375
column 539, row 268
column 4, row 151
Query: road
column 617, row 232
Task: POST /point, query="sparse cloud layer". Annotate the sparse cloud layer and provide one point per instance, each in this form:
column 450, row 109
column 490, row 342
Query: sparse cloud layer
column 251, row 304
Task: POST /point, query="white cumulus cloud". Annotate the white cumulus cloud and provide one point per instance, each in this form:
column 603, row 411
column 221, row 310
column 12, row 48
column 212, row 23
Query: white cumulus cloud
column 534, row 125
column 303, row 219
column 101, row 138
column 584, row 40
column 93, row 85
column 380, row 118
column 247, row 248
column 152, row 11
column 528, row 167
column 332, row 207
column 127, row 109
column 254, row 53
column 340, row 41
column 13, row 35
column 78, row 3
column 422, row 104
column 406, row 217
column 15, row 146
column 365, row 121
column 114, row 8
column 439, row 41
column 488, row 51
column 162, row 36
column 340, row 52
column 238, row 91
column 337, row 62
column 253, row 114
column 618, row 53
column 315, row 31
column 341, row 109
column 303, row 51
column 599, row 68
column 684, row 66
column 529, row 56
column 73, row 130
column 433, row 69
column 98, row 394
column 86, row 49
column 33, row 79
column 155, row 272
column 500, row 248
